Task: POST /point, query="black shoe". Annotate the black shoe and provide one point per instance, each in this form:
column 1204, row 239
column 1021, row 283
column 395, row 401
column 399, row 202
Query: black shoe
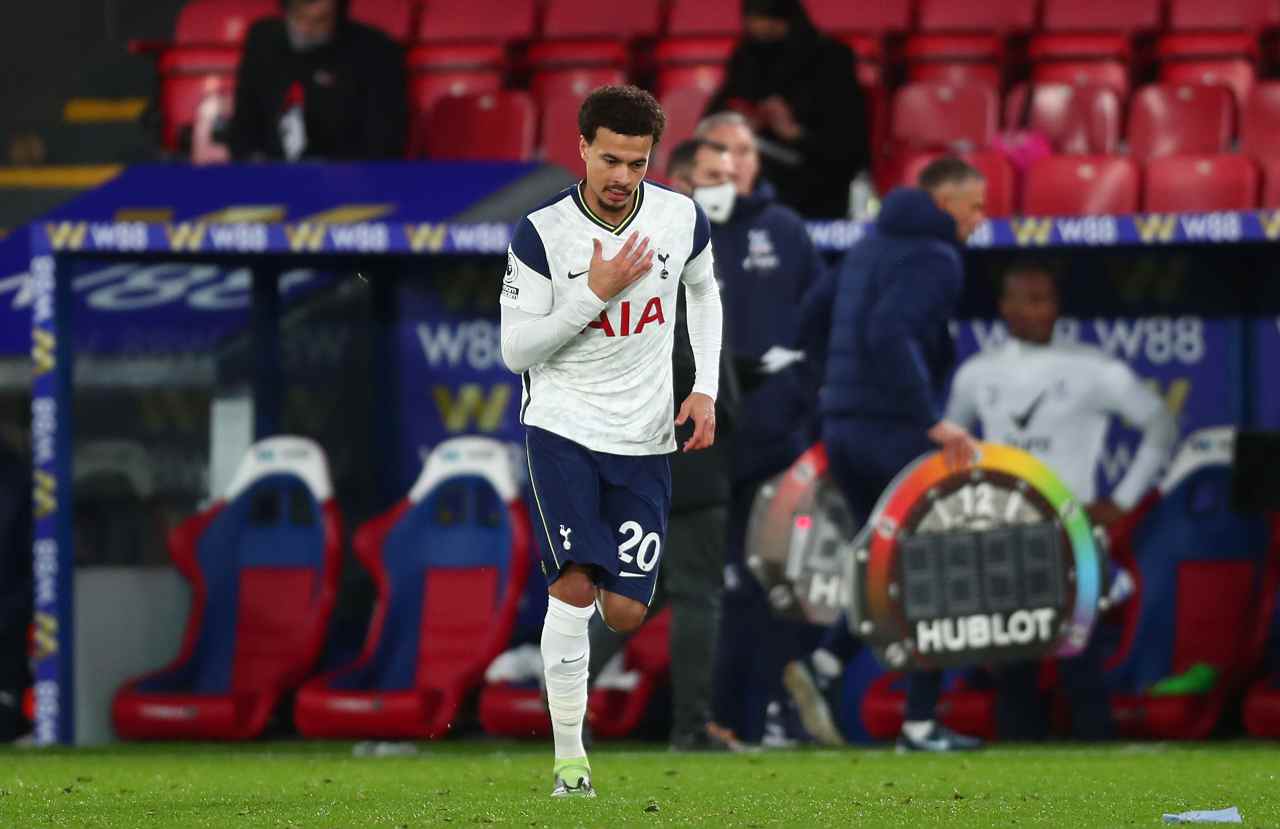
column 939, row 739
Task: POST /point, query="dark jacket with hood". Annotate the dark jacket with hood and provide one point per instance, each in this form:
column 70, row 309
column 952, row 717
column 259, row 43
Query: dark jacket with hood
column 352, row 90
column 887, row 310
column 767, row 264
column 814, row 74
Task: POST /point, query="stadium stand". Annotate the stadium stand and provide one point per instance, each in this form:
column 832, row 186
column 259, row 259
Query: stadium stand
column 1200, row 184
column 395, row 17
column 1081, row 185
column 449, row 563
column 189, row 75
column 1123, row 16
column 1176, row 120
column 702, row 18
column 929, row 115
column 1262, row 708
column 839, row 17
column 1077, row 120
column 1113, row 74
column 263, row 564
column 220, row 22
column 476, row 21
column 1271, row 182
column 976, row 15
column 1260, row 122
column 488, row 125
column 1001, row 179
column 566, row 19
column 438, row 71
column 1232, row 15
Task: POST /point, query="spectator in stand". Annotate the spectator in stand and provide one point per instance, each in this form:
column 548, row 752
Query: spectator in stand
column 798, row 90
column 315, row 85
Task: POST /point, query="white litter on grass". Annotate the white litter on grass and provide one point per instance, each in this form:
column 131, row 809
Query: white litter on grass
column 1231, row 815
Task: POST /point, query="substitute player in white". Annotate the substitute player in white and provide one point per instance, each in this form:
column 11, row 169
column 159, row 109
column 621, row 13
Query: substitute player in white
column 1056, row 399
column 588, row 304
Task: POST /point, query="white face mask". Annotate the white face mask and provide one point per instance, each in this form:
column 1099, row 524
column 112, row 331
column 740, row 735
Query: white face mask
column 717, row 201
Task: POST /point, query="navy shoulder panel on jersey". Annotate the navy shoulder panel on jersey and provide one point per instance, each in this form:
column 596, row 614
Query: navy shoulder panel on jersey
column 527, row 245
column 701, row 230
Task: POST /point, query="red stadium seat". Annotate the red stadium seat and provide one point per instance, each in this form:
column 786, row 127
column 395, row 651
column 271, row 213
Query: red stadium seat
column 590, row 18
column 1077, row 120
column 1079, row 46
column 954, row 59
column 1188, row 45
column 1101, row 15
column 1236, row 74
column 1179, row 120
column 706, row 77
column 1113, row 74
column 427, row 88
column 449, row 561
column 575, row 83
column 939, row 115
column 842, row 17
column 263, row 564
column 1200, row 184
column 570, row 53
column 868, row 51
column 1271, row 182
column 1223, row 14
column 1081, row 185
column 395, row 17
column 976, row 15
column 222, row 22
column 684, row 107
column 1000, row 176
column 497, row 126
column 559, row 133
column 701, row 18
column 1260, row 122
column 188, row 75
column 691, row 61
column 497, row 21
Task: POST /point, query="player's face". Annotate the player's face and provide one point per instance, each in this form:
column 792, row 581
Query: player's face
column 1029, row 306
column 616, row 164
column 742, row 149
column 966, row 201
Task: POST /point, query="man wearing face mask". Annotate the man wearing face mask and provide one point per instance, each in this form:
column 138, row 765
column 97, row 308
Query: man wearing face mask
column 691, row 578
column 766, row 263
column 798, row 91
column 315, row 85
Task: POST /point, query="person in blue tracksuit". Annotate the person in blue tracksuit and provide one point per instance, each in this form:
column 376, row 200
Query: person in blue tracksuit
column 766, row 264
column 889, row 353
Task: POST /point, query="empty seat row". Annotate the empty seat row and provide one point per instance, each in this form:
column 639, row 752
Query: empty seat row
column 224, row 21
column 1162, row 120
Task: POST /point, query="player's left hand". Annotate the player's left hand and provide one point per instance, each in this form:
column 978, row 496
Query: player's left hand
column 702, row 409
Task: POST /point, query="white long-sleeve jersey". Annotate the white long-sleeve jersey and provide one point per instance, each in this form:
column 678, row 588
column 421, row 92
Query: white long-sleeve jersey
column 595, row 372
column 1056, row 401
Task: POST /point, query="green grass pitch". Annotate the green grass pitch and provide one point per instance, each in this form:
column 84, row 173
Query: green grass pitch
column 487, row 783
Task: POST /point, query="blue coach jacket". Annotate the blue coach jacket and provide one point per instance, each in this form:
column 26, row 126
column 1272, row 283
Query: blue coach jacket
column 767, row 264
column 889, row 350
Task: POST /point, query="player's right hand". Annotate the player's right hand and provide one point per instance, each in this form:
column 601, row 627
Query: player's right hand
column 958, row 446
column 609, row 277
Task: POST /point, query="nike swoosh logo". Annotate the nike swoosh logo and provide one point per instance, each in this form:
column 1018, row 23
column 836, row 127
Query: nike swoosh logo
column 1023, row 420
column 632, row 575
column 569, row 661
column 573, row 275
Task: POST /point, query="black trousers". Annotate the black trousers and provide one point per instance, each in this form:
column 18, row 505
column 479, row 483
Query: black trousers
column 691, row 581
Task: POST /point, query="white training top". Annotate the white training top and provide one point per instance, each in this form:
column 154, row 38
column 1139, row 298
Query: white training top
column 1055, row 401
column 599, row 373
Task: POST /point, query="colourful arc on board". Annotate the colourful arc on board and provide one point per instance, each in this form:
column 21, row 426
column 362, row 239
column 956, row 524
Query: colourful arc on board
column 929, row 471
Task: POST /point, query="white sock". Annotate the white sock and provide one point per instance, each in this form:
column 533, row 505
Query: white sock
column 566, row 652
column 918, row 729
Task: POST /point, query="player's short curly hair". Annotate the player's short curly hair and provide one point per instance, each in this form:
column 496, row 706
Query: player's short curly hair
column 625, row 109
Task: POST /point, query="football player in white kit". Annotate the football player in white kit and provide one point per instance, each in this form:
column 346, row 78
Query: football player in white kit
column 1056, row 399
column 588, row 308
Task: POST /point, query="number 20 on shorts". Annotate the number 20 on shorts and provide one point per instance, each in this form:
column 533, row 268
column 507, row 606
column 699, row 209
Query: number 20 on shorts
column 648, row 547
